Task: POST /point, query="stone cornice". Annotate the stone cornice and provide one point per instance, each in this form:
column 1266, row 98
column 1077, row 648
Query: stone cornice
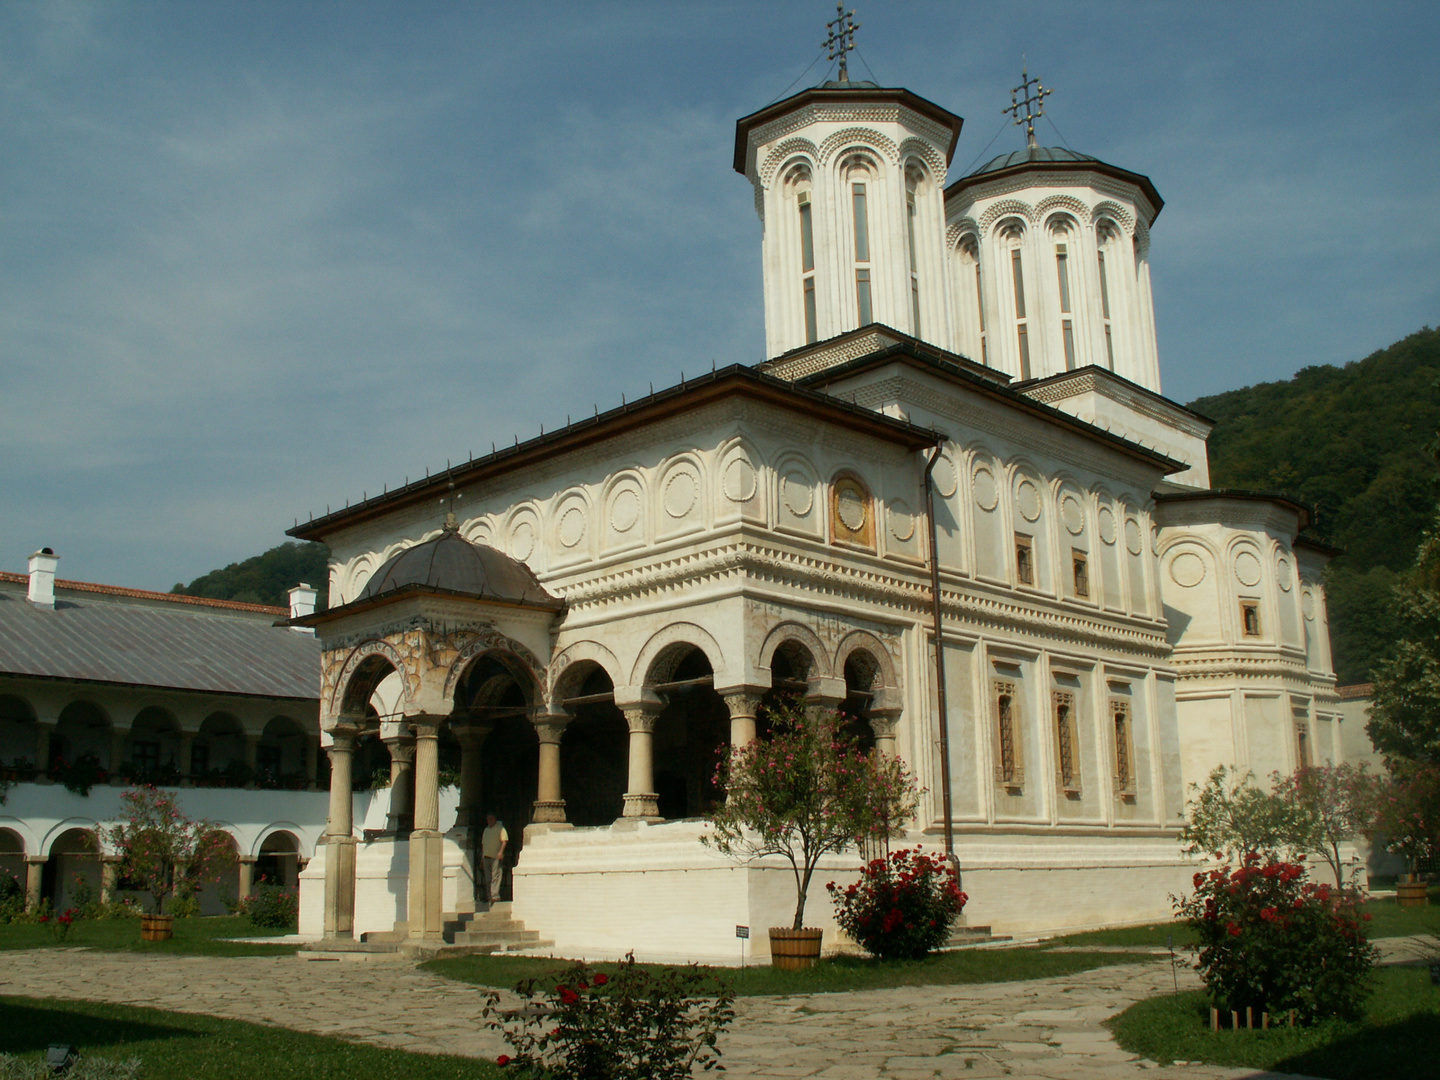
column 1106, row 385
column 960, row 203
column 834, row 580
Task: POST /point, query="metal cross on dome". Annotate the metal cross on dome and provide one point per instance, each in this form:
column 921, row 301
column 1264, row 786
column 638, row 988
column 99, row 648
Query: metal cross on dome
column 1037, row 100
column 841, row 38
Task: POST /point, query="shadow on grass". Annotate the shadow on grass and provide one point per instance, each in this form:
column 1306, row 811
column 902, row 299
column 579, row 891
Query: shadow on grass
column 1400, row 1048
column 25, row 1028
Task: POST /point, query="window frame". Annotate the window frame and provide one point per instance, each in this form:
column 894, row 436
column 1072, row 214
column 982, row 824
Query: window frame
column 1009, row 732
column 1067, row 742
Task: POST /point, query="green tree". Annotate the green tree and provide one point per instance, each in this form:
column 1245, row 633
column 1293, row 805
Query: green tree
column 267, row 578
column 1230, row 818
column 1405, row 716
column 804, row 792
column 1330, row 805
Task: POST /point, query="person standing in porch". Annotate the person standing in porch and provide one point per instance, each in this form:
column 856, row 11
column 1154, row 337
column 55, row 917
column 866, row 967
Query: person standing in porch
column 492, row 854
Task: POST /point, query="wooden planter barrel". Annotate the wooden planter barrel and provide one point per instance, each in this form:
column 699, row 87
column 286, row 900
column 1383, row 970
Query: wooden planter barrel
column 794, row 950
column 1412, row 893
column 157, row 927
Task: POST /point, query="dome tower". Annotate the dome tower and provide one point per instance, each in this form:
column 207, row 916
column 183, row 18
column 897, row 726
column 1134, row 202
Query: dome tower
column 848, row 183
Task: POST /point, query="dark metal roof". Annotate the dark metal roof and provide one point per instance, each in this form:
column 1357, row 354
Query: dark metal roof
column 451, row 564
column 150, row 645
column 1054, row 159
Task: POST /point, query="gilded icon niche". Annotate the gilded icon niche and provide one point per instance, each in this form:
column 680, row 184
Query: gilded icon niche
column 852, row 512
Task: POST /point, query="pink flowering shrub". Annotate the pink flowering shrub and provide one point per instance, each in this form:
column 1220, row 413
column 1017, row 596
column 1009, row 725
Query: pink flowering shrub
column 1271, row 940
column 633, row 1025
column 902, row 907
column 162, row 851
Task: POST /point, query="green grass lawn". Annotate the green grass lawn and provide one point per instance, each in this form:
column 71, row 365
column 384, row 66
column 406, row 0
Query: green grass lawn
column 192, row 936
column 831, row 975
column 179, row 1046
column 1400, row 1035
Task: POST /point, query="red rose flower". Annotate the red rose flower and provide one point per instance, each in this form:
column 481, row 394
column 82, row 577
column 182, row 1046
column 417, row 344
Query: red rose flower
column 567, row 996
column 601, row 980
column 503, row 1059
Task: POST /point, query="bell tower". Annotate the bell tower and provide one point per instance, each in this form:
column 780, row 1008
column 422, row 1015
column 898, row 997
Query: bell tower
column 849, row 185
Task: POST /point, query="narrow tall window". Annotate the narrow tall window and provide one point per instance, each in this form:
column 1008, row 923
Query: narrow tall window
column 1105, row 312
column 1069, row 333
column 1124, row 748
column 1009, row 760
column 1022, row 330
column 980, row 302
column 1302, row 744
column 1081, row 563
column 862, row 296
column 914, row 264
column 807, row 267
column 862, row 225
column 1024, row 560
column 1066, row 771
column 1060, row 269
column 1250, row 618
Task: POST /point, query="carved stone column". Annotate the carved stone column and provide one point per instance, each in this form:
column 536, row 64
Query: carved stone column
column 743, row 705
column 340, row 839
column 641, row 800
column 109, row 877
column 471, row 735
column 34, row 878
column 247, row 875
column 426, row 840
column 549, row 804
column 883, row 723
column 401, row 817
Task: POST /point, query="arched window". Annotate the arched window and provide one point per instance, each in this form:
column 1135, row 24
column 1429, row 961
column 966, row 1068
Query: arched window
column 1012, row 236
column 859, row 172
column 970, row 252
column 1067, row 772
column 798, row 183
column 1106, row 232
column 913, row 179
column 1062, row 233
column 1009, row 766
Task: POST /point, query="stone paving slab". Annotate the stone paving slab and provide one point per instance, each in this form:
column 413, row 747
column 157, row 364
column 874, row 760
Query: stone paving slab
column 1049, row 1029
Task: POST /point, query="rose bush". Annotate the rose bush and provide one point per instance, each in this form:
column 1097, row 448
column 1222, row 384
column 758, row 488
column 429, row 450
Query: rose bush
column 632, row 1025
column 1271, row 940
column 902, row 907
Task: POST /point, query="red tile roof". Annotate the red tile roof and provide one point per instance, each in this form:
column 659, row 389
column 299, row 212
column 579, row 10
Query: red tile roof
column 145, row 594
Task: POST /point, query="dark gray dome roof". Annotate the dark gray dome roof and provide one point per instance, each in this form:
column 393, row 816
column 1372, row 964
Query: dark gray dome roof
column 1030, row 155
column 451, row 564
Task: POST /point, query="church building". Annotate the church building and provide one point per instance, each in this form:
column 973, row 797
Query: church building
column 956, row 436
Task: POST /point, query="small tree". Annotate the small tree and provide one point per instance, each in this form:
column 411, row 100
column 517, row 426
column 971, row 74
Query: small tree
column 1406, row 813
column 1405, row 714
column 806, row 792
column 161, row 849
column 1230, row 818
column 1328, row 806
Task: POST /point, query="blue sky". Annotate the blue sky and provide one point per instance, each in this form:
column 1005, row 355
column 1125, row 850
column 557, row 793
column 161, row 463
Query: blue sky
column 259, row 258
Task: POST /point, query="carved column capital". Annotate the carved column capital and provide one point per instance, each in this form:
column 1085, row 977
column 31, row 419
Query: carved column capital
column 402, row 749
column 883, row 722
column 641, row 719
column 550, row 727
column 743, row 703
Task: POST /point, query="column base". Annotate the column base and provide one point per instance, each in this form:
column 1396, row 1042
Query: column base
column 340, row 886
column 642, row 805
column 424, row 911
column 549, row 811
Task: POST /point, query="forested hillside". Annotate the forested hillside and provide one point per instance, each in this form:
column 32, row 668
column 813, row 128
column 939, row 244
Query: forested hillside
column 1355, row 442
column 267, row 578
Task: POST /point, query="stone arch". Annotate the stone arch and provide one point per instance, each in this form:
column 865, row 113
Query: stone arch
column 1006, row 208
column 478, row 531
column 62, row 830
column 738, row 474
column 83, row 730
column 668, row 646
column 570, row 668
column 880, row 667
column 572, row 524
column 482, row 643
column 790, row 635
column 1078, row 209
column 155, row 742
column 216, row 895
column 850, row 138
column 783, row 155
column 17, row 729
column 594, row 748
column 1117, row 213
column 219, row 745
column 932, row 158
column 358, row 574
column 12, row 852
column 958, row 228
column 74, row 848
column 674, row 509
column 280, row 755
column 368, row 663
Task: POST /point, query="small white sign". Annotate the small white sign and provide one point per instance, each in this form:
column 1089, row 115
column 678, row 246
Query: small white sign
column 742, row 932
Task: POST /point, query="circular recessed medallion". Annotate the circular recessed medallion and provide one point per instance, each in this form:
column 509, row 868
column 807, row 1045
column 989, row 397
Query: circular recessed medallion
column 1027, row 500
column 797, row 493
column 1307, row 603
column 1073, row 514
column 624, row 510
column 680, row 492
column 1134, row 542
column 902, row 522
column 945, row 478
column 1247, row 569
column 1283, row 575
column 1187, row 569
column 987, row 492
column 850, row 508
column 1107, row 524
column 739, row 480
column 522, row 540
column 572, row 526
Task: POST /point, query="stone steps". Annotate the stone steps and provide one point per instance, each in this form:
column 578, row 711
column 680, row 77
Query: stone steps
column 966, row 936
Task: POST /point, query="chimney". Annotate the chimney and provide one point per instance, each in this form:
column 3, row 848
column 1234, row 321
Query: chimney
column 302, row 603
column 42, row 577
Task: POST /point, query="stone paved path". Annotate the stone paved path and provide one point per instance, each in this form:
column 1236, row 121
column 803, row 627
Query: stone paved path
column 1047, row 1028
